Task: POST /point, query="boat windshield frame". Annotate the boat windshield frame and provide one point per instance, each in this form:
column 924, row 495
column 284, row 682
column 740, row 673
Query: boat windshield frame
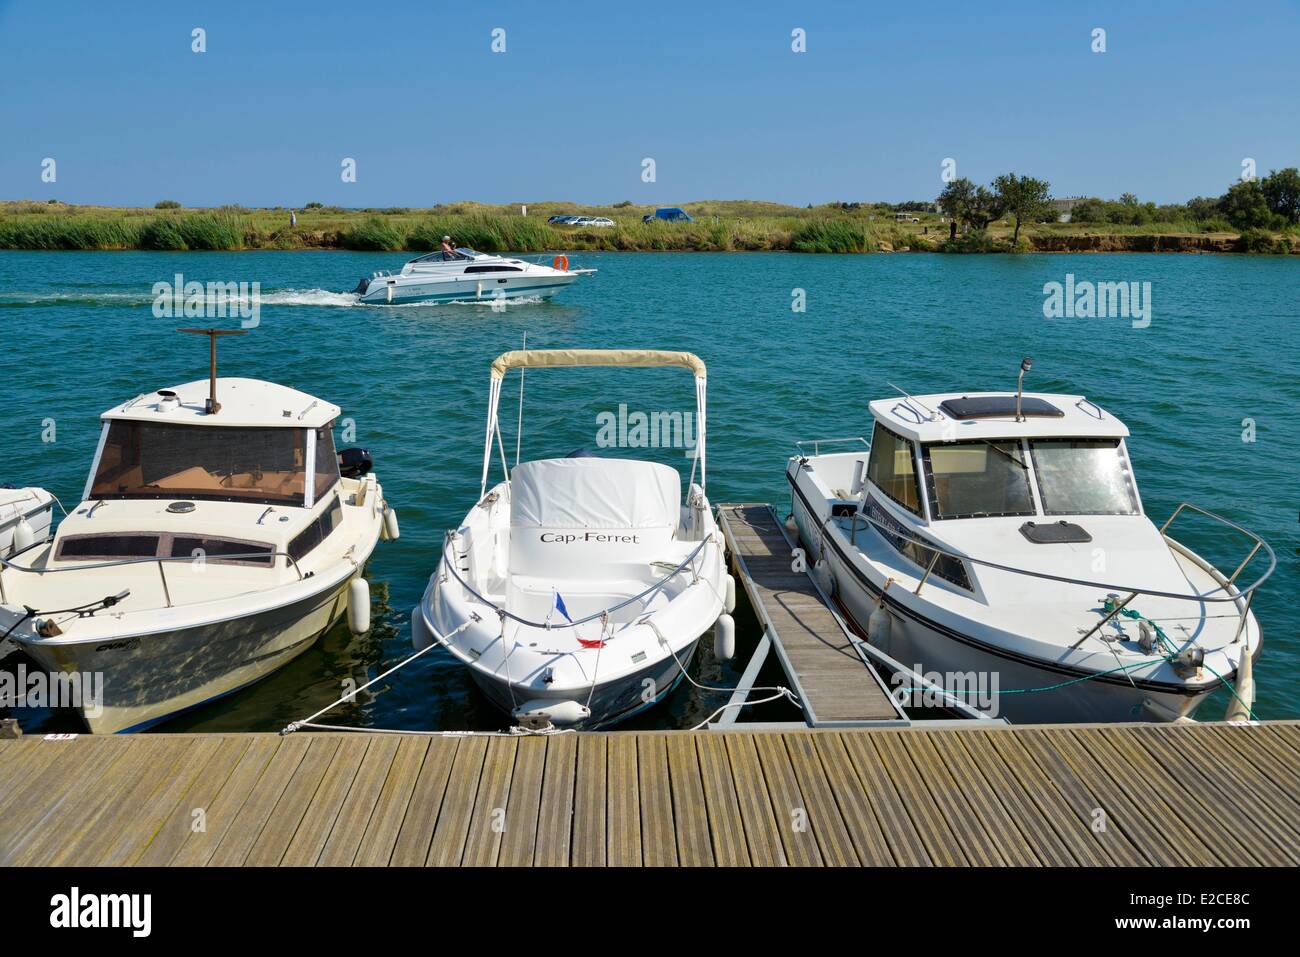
column 462, row 253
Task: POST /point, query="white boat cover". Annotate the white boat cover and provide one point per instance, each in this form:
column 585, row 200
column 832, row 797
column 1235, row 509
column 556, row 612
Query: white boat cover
column 35, row 504
column 594, row 493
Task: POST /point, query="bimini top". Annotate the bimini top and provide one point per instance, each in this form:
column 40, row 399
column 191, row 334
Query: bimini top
column 954, row 416
column 540, row 358
column 245, row 403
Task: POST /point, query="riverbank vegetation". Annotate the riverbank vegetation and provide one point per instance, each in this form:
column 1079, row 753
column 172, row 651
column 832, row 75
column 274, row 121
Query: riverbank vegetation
column 1011, row 214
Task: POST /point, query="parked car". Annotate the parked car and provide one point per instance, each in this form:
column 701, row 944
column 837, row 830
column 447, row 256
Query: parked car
column 601, row 221
column 668, row 214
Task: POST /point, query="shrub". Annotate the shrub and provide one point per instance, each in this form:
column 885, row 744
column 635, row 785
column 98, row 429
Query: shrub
column 166, row 204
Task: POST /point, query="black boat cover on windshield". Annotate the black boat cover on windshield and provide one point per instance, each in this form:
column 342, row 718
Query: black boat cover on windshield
column 996, row 406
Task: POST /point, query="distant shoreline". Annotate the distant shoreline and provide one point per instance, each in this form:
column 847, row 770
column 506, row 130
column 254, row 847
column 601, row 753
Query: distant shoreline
column 721, row 226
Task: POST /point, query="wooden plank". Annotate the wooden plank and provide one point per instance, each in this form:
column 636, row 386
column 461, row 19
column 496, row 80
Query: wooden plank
column 1033, row 760
column 941, row 844
column 969, row 793
column 899, row 833
column 190, row 812
column 828, row 826
column 411, row 849
column 763, row 838
column 788, row 805
column 314, row 829
column 119, row 812
column 1268, row 786
column 209, row 825
column 270, row 845
column 146, row 822
column 390, row 809
column 690, row 814
column 589, row 812
column 519, row 841
column 350, row 824
column 658, row 839
column 448, row 844
column 73, row 821
column 625, row 816
column 256, row 811
column 489, row 819
column 23, row 761
column 726, row 823
column 1027, row 814
column 555, row 811
column 1227, row 821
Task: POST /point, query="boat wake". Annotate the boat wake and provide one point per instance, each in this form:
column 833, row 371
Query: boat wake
column 268, row 297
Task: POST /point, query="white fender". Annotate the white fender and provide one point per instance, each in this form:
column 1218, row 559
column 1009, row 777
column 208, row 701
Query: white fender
column 359, row 605
column 391, row 531
column 420, row 636
column 1239, row 710
column 824, row 577
column 724, row 638
column 792, row 526
column 880, row 627
column 729, row 595
column 24, row 535
column 540, row 713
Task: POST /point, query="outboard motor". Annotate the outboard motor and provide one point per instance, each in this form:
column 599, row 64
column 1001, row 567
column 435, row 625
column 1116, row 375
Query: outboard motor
column 354, row 463
column 362, row 286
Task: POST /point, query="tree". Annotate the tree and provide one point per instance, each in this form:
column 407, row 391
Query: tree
column 1281, row 190
column 974, row 205
column 1128, row 199
column 1023, row 197
column 1244, row 205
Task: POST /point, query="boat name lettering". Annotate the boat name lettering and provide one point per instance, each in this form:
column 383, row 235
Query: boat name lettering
column 603, row 537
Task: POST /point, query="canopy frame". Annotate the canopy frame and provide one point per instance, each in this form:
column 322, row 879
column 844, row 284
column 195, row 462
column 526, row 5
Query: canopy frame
column 576, row 358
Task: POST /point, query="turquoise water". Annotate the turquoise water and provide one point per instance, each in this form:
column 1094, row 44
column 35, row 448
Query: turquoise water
column 79, row 336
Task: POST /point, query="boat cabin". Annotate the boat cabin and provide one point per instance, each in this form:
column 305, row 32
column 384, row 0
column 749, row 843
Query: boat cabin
column 256, row 479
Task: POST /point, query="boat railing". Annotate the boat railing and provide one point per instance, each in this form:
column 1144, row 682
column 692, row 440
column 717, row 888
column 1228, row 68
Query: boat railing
column 6, row 564
column 1241, row 596
column 818, row 443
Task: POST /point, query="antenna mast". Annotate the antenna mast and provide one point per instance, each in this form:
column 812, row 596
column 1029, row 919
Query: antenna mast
column 212, row 406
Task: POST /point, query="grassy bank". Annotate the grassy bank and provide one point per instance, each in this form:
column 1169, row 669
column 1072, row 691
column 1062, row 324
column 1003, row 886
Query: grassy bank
column 718, row 226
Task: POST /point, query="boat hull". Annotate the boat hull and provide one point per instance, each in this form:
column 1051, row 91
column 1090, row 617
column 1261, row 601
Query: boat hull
column 610, row 702
column 149, row 678
column 996, row 680
column 417, row 289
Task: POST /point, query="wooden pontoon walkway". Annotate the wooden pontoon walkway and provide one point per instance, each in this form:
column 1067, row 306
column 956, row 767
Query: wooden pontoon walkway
column 833, row 680
column 1139, row 794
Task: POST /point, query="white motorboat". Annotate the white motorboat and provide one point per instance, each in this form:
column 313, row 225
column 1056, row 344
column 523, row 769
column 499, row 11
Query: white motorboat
column 467, row 276
column 1001, row 539
column 26, row 518
column 215, row 542
column 577, row 588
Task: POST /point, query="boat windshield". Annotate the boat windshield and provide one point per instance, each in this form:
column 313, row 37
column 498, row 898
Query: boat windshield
column 977, row 480
column 151, row 460
column 1084, row 477
column 462, row 252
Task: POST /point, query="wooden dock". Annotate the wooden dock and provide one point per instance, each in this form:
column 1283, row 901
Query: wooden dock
column 834, row 680
column 985, row 794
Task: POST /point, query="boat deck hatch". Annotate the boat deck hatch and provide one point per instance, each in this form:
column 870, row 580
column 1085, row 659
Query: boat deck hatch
column 1054, row 533
column 997, row 406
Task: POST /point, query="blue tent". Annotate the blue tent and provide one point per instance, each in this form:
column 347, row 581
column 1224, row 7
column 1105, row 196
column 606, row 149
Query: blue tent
column 669, row 214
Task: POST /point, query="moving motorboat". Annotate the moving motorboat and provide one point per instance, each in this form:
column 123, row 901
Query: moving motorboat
column 26, row 518
column 577, row 588
column 468, row 276
column 1001, row 538
column 219, row 535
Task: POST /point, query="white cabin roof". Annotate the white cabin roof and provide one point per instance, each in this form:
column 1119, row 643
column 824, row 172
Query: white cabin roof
column 911, row 418
column 245, row 403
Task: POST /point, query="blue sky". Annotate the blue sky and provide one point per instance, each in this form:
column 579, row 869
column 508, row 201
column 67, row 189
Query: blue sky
column 585, row 90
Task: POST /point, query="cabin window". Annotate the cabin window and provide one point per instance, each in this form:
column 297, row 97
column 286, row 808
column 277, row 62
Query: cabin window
column 327, row 463
column 1084, row 477
column 470, row 269
column 222, row 550
column 906, row 543
column 977, row 480
column 891, row 468
column 108, row 547
column 151, row 460
column 317, row 531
